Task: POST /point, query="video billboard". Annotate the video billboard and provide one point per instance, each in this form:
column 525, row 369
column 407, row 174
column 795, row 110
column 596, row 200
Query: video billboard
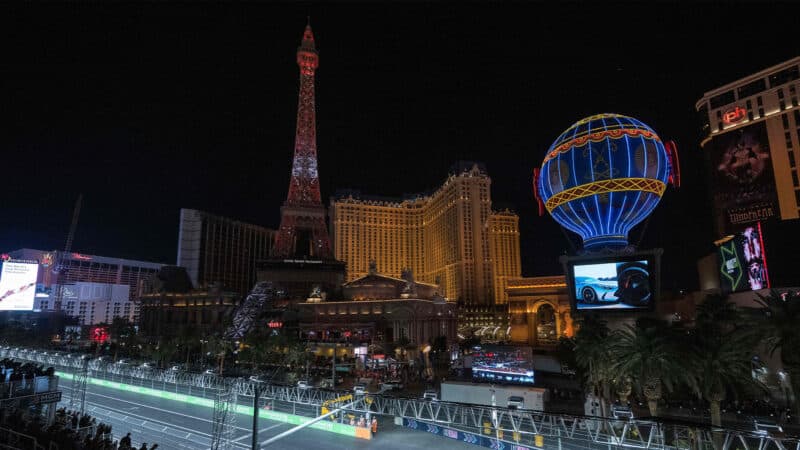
column 17, row 285
column 744, row 182
column 617, row 282
column 503, row 364
column 743, row 261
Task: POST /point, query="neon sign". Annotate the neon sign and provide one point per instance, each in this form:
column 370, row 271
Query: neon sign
column 81, row 257
column 275, row 324
column 99, row 334
column 734, row 115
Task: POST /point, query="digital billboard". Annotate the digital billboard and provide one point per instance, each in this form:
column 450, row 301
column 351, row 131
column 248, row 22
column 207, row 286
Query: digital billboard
column 743, row 261
column 622, row 282
column 743, row 179
column 503, row 364
column 17, row 285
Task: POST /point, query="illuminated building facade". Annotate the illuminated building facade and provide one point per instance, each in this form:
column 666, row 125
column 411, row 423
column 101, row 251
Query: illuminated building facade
column 170, row 305
column 380, row 308
column 539, row 310
column 96, row 288
column 215, row 249
column 751, row 137
column 451, row 237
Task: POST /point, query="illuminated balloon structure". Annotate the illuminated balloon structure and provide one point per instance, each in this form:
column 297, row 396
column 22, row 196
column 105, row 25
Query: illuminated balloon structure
column 604, row 175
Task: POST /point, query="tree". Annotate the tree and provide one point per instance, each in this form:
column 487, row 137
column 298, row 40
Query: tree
column 647, row 354
column 778, row 327
column 123, row 335
column 593, row 343
column 188, row 338
column 720, row 357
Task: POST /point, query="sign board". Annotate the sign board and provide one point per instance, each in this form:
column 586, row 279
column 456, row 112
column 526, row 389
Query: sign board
column 32, row 400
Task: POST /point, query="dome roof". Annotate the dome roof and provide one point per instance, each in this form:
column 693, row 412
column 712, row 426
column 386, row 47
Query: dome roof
column 597, row 128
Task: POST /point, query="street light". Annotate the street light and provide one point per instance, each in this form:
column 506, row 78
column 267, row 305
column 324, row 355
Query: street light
column 494, row 413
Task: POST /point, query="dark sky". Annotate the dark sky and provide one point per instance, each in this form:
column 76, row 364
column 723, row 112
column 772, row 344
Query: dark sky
column 150, row 107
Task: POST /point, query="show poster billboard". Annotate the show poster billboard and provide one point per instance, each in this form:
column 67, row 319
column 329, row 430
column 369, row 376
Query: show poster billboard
column 743, row 261
column 744, row 182
column 17, row 285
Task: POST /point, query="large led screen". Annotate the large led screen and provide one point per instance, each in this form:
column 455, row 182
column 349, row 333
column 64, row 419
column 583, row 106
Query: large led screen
column 744, row 183
column 17, row 285
column 613, row 285
column 743, row 261
column 503, row 364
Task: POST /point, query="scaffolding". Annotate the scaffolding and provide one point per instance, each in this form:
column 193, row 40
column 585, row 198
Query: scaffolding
column 224, row 418
column 248, row 311
column 77, row 401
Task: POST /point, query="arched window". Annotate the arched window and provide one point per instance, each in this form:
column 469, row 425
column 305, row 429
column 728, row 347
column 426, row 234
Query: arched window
column 546, row 325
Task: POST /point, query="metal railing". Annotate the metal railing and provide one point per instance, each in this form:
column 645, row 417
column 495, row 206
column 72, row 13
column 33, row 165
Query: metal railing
column 509, row 425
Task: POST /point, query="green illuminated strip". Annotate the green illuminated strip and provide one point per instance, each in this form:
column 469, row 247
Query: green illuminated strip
column 332, row 427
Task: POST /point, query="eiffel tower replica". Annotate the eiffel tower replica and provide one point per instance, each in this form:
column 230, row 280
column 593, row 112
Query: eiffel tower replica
column 302, row 260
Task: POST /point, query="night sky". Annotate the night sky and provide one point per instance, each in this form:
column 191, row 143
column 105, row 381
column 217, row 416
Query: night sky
column 149, row 107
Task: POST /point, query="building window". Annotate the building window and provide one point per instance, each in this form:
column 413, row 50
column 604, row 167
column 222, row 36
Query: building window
column 784, row 76
column 797, row 197
column 752, row 88
column 785, row 119
column 791, row 159
column 722, row 99
column 795, row 181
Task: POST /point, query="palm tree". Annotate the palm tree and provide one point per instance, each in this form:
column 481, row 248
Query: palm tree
column 593, row 344
column 780, row 315
column 647, row 355
column 188, row 338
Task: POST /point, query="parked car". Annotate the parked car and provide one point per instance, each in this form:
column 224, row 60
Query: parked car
column 392, row 385
column 149, row 365
column 303, row 384
column 431, row 395
column 516, row 402
column 178, row 367
column 260, row 378
column 766, row 427
column 359, row 389
column 621, row 412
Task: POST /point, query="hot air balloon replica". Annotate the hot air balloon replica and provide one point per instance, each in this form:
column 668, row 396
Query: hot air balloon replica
column 600, row 178
column 604, row 175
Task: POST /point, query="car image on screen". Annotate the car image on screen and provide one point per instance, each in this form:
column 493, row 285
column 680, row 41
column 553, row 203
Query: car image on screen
column 634, row 284
column 612, row 285
column 592, row 290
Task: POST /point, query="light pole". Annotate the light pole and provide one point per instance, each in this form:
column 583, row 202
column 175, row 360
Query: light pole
column 333, row 367
column 494, row 414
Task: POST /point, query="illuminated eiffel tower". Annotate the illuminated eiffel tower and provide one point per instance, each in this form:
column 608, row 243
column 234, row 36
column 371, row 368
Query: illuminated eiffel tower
column 303, row 233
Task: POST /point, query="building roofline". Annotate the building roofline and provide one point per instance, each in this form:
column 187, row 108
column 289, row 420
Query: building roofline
column 746, row 79
column 228, row 219
column 99, row 259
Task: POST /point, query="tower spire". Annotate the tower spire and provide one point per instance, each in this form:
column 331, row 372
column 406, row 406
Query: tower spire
column 303, row 231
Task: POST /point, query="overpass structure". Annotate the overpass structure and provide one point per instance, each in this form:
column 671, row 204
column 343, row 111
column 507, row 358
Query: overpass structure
column 496, row 427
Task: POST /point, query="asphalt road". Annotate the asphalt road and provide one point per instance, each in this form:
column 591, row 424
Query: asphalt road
column 177, row 425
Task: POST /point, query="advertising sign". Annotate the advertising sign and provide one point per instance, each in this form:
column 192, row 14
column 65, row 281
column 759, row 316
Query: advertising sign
column 17, row 285
column 743, row 261
column 612, row 285
column 507, row 364
column 744, row 183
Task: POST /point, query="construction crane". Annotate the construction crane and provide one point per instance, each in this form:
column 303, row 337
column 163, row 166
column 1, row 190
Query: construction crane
column 59, row 267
